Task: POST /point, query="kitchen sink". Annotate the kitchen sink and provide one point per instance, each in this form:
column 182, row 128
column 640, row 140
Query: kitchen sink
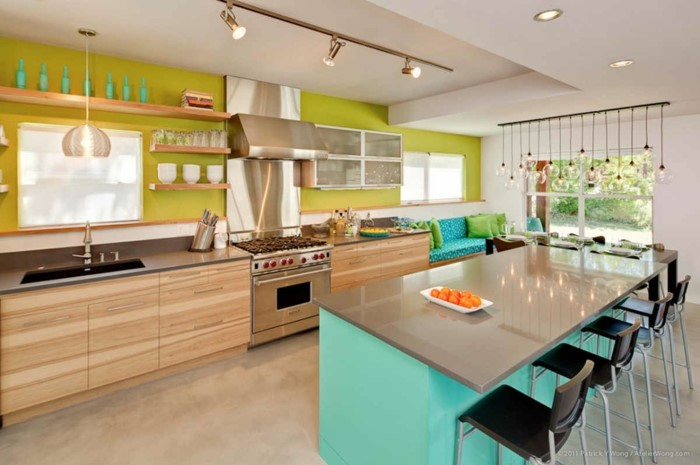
column 39, row 276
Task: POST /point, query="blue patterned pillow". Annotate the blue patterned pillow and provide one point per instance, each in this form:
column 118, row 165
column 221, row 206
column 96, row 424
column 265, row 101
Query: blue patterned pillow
column 453, row 228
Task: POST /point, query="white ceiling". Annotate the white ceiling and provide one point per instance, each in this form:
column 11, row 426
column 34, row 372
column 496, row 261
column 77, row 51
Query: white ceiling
column 507, row 67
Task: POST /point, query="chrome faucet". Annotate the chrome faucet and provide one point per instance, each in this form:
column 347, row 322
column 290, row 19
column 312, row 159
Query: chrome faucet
column 87, row 240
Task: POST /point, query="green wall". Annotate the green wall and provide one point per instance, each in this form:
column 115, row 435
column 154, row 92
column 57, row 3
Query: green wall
column 333, row 111
column 164, row 87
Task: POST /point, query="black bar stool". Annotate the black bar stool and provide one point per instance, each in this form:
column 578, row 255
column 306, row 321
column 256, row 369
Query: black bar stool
column 566, row 360
column 530, row 429
column 678, row 314
column 656, row 312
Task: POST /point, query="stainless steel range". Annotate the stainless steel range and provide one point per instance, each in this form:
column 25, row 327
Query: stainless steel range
column 286, row 273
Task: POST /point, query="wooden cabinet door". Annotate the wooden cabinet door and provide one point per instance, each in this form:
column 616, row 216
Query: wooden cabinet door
column 200, row 320
column 123, row 338
column 354, row 271
column 405, row 255
column 43, row 355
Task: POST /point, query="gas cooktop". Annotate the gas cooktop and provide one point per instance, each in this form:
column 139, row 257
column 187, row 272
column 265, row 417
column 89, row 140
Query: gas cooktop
column 278, row 244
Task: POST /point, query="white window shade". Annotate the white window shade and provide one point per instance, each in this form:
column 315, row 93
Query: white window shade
column 59, row 190
column 433, row 176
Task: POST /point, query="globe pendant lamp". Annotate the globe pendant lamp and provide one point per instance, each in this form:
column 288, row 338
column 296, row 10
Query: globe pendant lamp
column 86, row 140
column 631, row 171
column 540, row 175
column 662, row 176
column 501, row 170
column 552, row 169
column 593, row 176
column 559, row 184
column 582, row 155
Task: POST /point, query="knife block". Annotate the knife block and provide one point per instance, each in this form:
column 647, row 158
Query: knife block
column 203, row 238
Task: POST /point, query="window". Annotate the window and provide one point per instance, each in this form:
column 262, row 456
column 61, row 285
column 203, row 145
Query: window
column 593, row 210
column 432, row 176
column 59, row 190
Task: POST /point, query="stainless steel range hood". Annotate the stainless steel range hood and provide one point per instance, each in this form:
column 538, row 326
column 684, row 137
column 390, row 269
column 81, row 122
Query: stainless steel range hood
column 266, row 122
column 275, row 138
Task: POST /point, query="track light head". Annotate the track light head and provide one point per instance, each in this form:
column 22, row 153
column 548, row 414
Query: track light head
column 237, row 31
column 333, row 51
column 411, row 70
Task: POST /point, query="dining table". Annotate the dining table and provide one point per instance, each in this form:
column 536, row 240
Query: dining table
column 396, row 370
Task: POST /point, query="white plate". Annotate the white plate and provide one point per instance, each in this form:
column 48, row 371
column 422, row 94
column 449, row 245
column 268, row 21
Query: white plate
column 426, row 293
column 539, row 234
column 515, row 237
column 562, row 244
column 620, row 251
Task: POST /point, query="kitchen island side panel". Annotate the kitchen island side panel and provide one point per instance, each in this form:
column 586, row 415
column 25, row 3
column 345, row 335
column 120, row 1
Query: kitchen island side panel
column 379, row 406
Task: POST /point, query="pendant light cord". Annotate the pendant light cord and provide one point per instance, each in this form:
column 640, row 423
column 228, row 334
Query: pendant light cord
column 511, row 151
column 539, row 136
column 662, row 136
column 619, row 147
column 87, row 81
column 592, row 141
column 583, row 151
column 549, row 123
column 632, row 138
column 607, row 157
column 503, row 146
column 571, row 136
column 646, row 128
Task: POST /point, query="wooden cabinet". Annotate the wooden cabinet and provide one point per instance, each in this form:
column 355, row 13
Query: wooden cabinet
column 203, row 313
column 364, row 262
column 123, row 336
column 357, row 159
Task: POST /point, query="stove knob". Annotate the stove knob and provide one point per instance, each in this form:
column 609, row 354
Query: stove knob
column 291, row 261
column 283, row 262
column 273, row 264
column 321, row 255
column 315, row 256
column 303, row 260
column 266, row 265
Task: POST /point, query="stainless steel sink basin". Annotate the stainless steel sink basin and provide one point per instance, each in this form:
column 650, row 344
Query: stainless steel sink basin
column 80, row 270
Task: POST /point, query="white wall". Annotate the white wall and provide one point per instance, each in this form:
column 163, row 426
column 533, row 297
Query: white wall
column 676, row 205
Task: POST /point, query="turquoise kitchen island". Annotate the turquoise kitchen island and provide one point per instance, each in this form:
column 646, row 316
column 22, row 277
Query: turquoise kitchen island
column 396, row 371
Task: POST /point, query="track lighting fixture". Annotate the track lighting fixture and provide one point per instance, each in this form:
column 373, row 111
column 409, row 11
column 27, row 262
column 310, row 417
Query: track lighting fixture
column 408, row 69
column 333, row 51
column 237, row 31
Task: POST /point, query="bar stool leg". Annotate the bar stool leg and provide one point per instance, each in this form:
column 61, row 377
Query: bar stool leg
column 668, row 384
column 582, row 436
column 533, row 380
column 633, row 395
column 685, row 348
column 650, row 407
column 461, row 436
column 671, row 343
column 499, row 453
column 606, row 411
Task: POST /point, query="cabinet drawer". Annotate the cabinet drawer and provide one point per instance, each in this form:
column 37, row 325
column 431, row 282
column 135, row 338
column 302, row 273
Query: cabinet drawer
column 404, row 261
column 44, row 356
column 19, row 304
column 181, row 347
column 354, row 271
column 185, row 277
column 123, row 339
column 395, row 244
column 228, row 271
column 357, row 250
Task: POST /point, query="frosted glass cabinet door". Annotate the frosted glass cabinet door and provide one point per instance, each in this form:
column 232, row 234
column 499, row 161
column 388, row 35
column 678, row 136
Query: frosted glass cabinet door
column 380, row 144
column 382, row 173
column 338, row 173
column 342, row 141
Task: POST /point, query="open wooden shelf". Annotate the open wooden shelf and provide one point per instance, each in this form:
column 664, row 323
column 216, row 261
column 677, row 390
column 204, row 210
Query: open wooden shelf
column 35, row 97
column 162, row 148
column 187, row 187
column 4, row 142
column 4, row 188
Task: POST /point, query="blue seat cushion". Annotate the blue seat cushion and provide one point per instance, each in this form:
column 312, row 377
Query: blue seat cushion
column 457, row 248
column 453, row 228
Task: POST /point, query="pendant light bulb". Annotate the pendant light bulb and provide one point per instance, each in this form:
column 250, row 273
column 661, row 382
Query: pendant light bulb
column 414, row 71
column 86, row 140
column 560, row 184
column 593, row 176
column 329, row 60
column 237, row 31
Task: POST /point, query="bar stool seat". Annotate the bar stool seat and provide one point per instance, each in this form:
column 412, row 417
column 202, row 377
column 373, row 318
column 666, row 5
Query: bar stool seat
column 609, row 327
column 515, row 420
column 636, row 305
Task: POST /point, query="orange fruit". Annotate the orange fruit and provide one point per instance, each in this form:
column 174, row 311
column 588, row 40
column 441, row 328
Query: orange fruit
column 434, row 293
column 443, row 296
column 453, row 300
column 475, row 300
column 465, row 302
column 466, row 294
column 445, row 289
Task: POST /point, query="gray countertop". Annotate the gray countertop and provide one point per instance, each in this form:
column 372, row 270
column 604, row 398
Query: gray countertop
column 541, row 295
column 154, row 262
column 339, row 241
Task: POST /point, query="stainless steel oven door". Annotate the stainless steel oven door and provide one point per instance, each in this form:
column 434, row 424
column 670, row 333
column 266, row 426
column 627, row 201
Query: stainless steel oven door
column 286, row 296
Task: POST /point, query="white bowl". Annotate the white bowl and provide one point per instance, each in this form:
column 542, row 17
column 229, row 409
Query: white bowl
column 191, row 173
column 167, row 172
column 215, row 173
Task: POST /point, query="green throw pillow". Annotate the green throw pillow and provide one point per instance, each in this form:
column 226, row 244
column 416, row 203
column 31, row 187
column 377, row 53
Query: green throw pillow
column 425, row 226
column 437, row 234
column 500, row 220
column 481, row 226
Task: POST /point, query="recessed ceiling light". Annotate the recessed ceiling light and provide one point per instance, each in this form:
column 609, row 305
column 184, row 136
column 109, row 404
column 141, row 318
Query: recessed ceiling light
column 548, row 15
column 621, row 63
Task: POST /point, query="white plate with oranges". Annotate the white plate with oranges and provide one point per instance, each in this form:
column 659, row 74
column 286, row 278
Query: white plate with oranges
column 454, row 299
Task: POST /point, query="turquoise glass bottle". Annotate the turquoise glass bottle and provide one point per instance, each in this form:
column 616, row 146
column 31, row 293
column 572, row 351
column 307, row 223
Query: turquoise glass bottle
column 143, row 92
column 126, row 90
column 65, row 81
column 21, row 76
column 109, row 90
column 43, row 79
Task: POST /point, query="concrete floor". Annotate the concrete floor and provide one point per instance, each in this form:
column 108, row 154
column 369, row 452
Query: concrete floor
column 262, row 408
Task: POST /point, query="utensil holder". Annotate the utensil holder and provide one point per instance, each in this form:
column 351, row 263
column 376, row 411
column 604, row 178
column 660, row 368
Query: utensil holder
column 203, row 238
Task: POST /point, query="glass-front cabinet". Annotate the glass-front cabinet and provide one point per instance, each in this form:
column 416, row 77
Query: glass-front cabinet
column 357, row 159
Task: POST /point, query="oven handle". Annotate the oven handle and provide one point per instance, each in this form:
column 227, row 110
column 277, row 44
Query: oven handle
column 286, row 278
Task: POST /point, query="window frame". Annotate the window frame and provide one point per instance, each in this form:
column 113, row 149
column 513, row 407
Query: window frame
column 426, row 176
